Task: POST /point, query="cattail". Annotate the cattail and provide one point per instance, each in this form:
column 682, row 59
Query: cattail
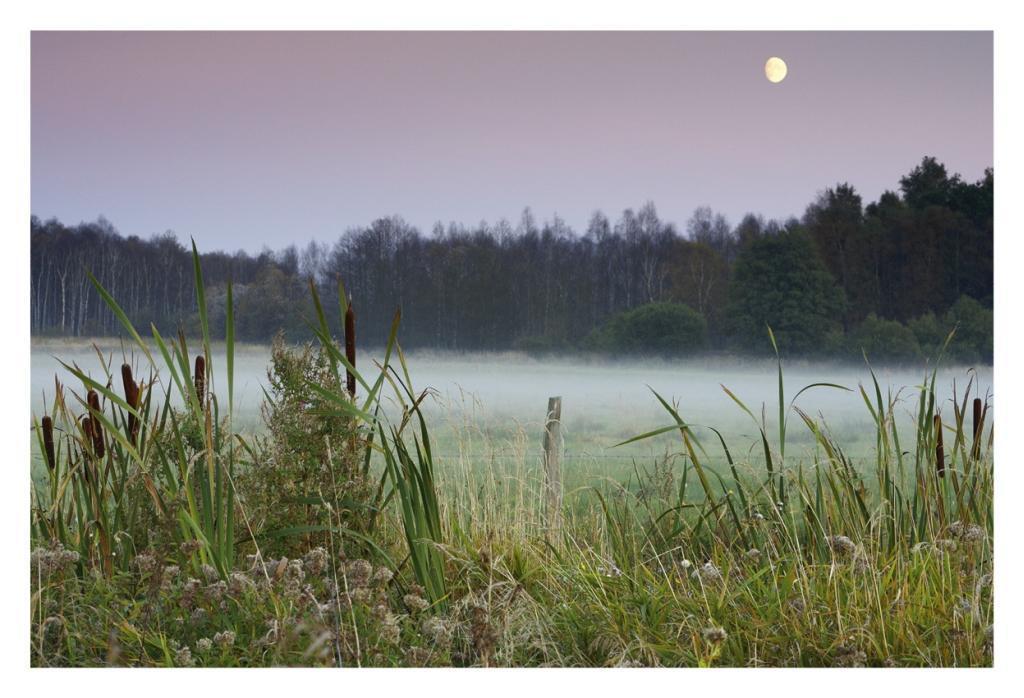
column 976, row 446
column 131, row 395
column 51, row 458
column 87, row 429
column 350, row 347
column 95, row 428
column 940, row 453
column 201, row 378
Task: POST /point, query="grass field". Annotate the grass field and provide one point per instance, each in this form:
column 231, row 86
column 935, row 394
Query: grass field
column 174, row 527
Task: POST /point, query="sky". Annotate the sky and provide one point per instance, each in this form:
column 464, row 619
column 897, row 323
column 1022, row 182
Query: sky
column 245, row 140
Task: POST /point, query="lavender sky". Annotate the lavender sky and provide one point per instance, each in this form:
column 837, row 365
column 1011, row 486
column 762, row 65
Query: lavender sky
column 250, row 139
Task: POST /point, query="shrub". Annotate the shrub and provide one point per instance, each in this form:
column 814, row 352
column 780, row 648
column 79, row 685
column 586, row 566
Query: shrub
column 540, row 345
column 929, row 332
column 884, row 340
column 973, row 339
column 308, row 457
column 666, row 329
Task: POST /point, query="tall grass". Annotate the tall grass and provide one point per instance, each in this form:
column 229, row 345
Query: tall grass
column 764, row 557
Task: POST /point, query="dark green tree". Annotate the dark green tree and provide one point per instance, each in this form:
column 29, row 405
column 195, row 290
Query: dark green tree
column 780, row 281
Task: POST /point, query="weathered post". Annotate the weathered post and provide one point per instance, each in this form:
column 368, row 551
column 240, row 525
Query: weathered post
column 553, row 467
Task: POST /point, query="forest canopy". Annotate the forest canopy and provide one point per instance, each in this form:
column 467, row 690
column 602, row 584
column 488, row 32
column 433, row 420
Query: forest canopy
column 891, row 278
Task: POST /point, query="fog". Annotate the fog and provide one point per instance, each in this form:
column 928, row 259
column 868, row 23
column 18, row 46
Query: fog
column 495, row 404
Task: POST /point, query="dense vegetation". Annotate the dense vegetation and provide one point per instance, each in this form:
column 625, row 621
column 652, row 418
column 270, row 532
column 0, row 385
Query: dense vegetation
column 831, row 283
column 162, row 536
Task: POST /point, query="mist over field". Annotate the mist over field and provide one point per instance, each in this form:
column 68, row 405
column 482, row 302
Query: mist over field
column 493, row 404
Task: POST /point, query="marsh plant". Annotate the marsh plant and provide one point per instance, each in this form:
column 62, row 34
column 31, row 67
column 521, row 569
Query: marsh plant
column 164, row 536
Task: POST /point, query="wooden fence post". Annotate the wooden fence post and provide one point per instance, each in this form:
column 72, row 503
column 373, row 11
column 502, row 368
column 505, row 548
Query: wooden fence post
column 553, row 466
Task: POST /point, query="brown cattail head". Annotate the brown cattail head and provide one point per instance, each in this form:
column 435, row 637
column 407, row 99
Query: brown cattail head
column 87, row 429
column 131, row 396
column 95, row 428
column 940, row 452
column 201, row 378
column 51, row 458
column 350, row 347
column 976, row 446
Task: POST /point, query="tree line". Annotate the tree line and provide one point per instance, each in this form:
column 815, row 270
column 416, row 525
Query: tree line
column 892, row 275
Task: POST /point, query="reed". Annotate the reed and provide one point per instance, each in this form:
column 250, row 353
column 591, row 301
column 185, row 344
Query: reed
column 350, row 348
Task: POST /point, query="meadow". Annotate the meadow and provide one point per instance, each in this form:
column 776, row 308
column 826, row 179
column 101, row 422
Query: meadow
column 218, row 504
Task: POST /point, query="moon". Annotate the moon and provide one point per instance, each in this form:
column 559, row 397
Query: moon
column 775, row 69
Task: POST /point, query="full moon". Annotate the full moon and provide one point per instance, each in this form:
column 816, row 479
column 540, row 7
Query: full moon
column 775, row 69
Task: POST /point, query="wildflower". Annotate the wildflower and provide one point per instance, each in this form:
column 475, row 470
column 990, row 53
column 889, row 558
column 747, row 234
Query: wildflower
column 167, row 577
column 437, row 630
column 714, row 636
column 968, row 533
column 294, row 571
column 316, row 560
column 389, row 630
column 358, row 573
column 382, row 576
column 707, row 574
column 190, row 547
column 183, row 656
column 753, row 554
column 757, row 516
column 215, row 592
column 198, row 615
column 204, row 644
column 52, row 628
column 189, row 592
column 145, row 563
column 629, row 664
column 415, row 602
column 48, row 561
column 842, row 545
column 238, row 583
column 798, row 605
column 417, row 656
column 847, row 656
column 609, row 570
column 946, row 545
column 210, row 573
column 360, row 595
column 224, row 639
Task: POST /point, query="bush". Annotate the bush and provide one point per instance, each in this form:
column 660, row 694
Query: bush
column 930, row 333
column 666, row 329
column 884, row 340
column 973, row 339
column 540, row 345
column 309, row 457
